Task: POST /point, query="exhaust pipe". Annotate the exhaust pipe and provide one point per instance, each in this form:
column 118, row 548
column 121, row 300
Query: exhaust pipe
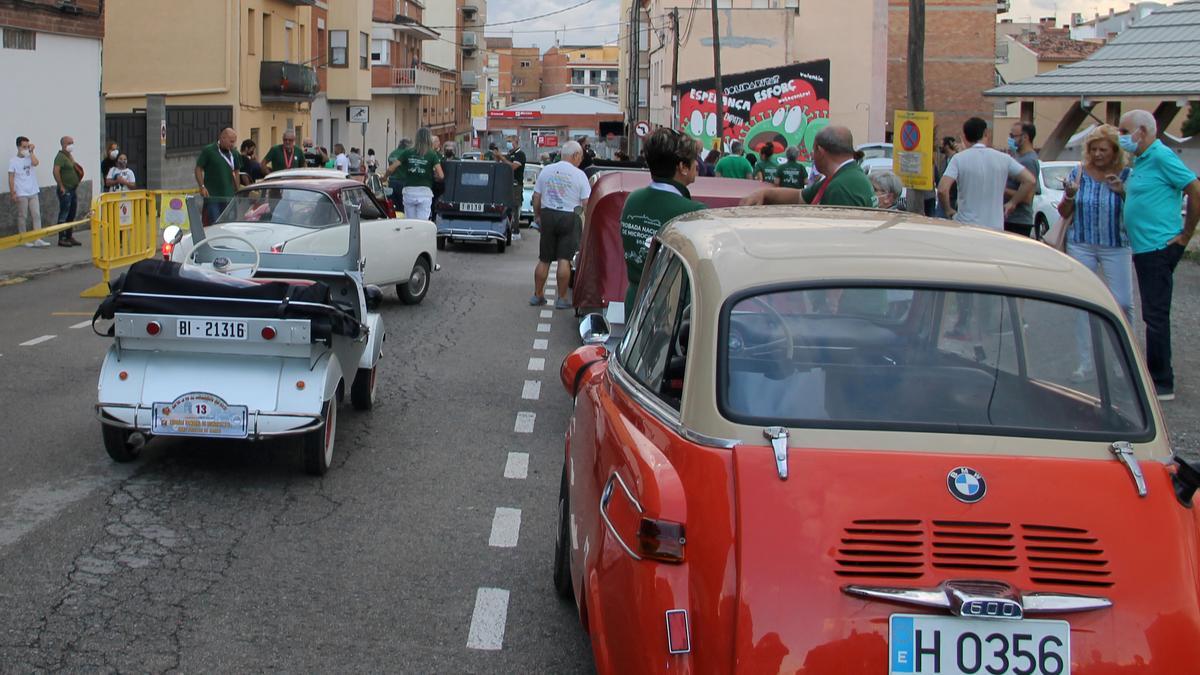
column 136, row 440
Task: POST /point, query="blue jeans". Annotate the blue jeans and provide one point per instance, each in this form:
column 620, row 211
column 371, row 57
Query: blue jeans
column 213, row 206
column 1114, row 264
column 66, row 212
column 1156, row 280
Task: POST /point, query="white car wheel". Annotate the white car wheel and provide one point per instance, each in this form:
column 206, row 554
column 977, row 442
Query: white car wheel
column 318, row 443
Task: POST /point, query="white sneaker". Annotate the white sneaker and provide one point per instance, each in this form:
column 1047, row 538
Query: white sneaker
column 41, row 243
column 29, row 244
column 516, row 236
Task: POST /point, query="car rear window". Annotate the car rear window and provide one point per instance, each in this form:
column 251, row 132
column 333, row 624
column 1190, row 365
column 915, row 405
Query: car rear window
column 475, row 179
column 931, row 359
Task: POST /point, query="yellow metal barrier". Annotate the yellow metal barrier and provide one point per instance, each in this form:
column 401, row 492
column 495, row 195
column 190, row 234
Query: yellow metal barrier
column 124, row 231
column 26, row 237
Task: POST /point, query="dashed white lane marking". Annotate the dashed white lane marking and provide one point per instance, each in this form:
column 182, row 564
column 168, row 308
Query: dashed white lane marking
column 547, row 313
column 542, row 328
column 487, row 621
column 82, row 324
column 541, row 344
column 524, row 423
column 549, row 292
column 536, row 363
column 506, row 528
column 532, row 390
column 47, row 338
column 517, row 465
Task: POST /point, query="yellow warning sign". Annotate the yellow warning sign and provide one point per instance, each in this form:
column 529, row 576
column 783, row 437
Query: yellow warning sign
column 912, row 149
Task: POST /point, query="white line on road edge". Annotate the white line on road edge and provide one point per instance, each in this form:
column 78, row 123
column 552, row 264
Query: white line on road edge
column 532, row 390
column 524, row 423
column 506, row 528
column 549, row 292
column 487, row 621
column 46, row 338
column 542, row 345
column 536, row 363
column 82, row 324
column 517, row 465
column 547, row 313
column 542, row 328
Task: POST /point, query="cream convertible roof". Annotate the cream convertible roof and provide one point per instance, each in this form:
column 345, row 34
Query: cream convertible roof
column 735, row 249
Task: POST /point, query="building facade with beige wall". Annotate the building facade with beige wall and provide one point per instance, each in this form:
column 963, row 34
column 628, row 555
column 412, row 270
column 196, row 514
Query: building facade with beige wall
column 758, row 34
column 251, row 56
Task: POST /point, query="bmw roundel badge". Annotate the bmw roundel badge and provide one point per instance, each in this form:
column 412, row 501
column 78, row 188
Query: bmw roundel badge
column 966, row 484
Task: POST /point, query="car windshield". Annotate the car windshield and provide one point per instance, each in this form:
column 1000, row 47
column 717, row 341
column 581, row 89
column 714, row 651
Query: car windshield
column 1053, row 176
column 928, row 359
column 287, row 206
column 877, row 152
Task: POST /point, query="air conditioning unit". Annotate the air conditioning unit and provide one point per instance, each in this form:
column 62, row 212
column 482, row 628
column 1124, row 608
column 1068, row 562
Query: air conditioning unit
column 68, row 7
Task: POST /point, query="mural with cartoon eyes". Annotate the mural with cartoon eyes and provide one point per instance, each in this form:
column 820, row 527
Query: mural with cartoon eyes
column 781, row 106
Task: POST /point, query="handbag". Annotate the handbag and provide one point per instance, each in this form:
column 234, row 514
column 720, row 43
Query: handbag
column 79, row 170
column 1056, row 237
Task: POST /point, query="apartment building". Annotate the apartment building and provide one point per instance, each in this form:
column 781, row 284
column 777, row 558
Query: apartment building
column 51, row 64
column 441, row 112
column 591, row 70
column 474, row 63
column 245, row 64
column 401, row 83
column 518, row 74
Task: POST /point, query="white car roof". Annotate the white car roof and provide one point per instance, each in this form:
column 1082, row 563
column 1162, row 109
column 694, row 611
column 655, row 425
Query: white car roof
column 313, row 172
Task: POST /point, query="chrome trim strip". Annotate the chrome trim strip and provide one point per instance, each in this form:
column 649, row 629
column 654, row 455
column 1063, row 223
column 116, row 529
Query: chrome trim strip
column 662, row 412
column 779, row 445
column 687, row 634
column 1125, row 455
column 1032, row 603
column 317, row 421
column 605, row 498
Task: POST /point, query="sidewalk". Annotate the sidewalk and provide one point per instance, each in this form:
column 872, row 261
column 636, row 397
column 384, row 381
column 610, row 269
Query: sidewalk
column 21, row 263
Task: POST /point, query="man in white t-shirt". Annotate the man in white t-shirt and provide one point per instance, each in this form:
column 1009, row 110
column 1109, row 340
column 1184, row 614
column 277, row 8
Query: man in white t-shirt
column 23, row 189
column 981, row 174
column 561, row 190
column 340, row 161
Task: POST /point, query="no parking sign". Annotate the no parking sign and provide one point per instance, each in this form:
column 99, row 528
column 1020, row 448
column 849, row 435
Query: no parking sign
column 912, row 156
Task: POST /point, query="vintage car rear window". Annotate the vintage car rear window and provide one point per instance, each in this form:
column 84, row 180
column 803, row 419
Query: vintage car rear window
column 288, row 206
column 475, row 179
column 938, row 360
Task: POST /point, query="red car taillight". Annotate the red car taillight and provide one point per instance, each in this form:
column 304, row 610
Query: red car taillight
column 153, row 328
column 167, row 249
column 661, row 540
column 268, row 333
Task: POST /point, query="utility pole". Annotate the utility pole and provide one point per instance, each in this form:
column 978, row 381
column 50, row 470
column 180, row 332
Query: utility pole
column 916, row 54
column 675, row 68
column 720, row 91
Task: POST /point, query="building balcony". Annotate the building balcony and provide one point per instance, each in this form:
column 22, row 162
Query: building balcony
column 470, row 81
column 286, row 82
column 411, row 27
column 406, row 82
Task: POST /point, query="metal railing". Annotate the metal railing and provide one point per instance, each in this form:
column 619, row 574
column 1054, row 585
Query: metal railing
column 417, row 81
column 283, row 81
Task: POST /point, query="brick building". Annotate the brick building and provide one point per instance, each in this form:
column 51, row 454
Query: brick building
column 50, row 57
column 960, row 61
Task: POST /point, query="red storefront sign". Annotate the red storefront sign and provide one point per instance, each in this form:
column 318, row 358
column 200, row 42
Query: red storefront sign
column 547, row 141
column 475, row 142
column 514, row 114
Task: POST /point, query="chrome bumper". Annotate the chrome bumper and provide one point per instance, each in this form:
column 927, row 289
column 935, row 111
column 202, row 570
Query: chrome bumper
column 252, row 431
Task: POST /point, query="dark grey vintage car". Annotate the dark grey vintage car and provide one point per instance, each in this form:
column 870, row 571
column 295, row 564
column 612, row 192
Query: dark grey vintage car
column 478, row 204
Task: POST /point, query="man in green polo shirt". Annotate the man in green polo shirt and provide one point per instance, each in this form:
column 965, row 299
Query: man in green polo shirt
column 792, row 174
column 673, row 160
column 843, row 182
column 734, row 165
column 284, row 155
column 216, row 173
column 1157, row 233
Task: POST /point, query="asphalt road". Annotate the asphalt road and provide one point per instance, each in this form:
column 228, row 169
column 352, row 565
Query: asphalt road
column 202, row 558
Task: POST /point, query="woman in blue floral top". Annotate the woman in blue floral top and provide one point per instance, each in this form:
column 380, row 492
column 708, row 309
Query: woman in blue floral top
column 1095, row 194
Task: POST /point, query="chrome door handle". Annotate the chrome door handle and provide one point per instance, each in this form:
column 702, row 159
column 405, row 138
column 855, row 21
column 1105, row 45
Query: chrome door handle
column 606, row 497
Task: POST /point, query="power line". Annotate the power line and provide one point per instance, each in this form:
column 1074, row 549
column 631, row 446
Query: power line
column 528, row 18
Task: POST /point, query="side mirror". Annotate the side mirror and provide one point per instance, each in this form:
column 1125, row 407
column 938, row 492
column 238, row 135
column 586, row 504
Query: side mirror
column 373, row 296
column 577, row 364
column 172, row 234
column 1186, row 480
column 594, row 329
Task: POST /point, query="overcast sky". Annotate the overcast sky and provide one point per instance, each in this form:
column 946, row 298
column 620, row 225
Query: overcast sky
column 593, row 22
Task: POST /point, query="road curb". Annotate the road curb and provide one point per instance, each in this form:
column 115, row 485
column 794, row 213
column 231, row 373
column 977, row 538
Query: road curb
column 13, row 278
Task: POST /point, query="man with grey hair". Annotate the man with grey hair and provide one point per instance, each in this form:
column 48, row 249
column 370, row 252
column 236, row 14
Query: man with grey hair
column 843, row 182
column 284, row 155
column 559, row 196
column 1157, row 233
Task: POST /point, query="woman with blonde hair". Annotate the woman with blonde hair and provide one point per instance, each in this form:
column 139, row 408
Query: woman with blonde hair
column 1094, row 196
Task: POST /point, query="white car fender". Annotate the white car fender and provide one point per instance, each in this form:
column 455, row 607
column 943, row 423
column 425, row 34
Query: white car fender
column 320, row 383
column 375, row 339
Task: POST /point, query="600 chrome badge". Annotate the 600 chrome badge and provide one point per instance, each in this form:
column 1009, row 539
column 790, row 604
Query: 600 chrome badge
column 966, row 484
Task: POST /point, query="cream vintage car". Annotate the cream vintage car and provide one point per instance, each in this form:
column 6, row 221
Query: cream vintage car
column 856, row 441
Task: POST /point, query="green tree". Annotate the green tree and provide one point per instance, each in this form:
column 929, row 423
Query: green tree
column 1191, row 126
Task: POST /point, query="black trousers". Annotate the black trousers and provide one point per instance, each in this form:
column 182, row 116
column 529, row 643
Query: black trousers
column 1156, row 280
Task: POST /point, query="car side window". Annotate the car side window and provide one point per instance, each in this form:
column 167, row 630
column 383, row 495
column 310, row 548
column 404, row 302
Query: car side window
column 655, row 356
column 358, row 197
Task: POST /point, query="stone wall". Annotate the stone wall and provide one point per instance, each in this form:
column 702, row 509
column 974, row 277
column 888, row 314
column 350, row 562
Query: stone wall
column 48, row 200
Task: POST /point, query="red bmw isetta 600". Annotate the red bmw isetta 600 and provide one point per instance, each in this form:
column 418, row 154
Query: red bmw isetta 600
column 849, row 441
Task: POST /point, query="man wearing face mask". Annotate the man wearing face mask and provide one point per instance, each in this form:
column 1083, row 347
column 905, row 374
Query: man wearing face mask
column 23, row 189
column 1020, row 146
column 111, row 152
column 1157, row 233
column 514, row 156
column 673, row 159
column 843, row 182
column 216, row 173
column 67, row 175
